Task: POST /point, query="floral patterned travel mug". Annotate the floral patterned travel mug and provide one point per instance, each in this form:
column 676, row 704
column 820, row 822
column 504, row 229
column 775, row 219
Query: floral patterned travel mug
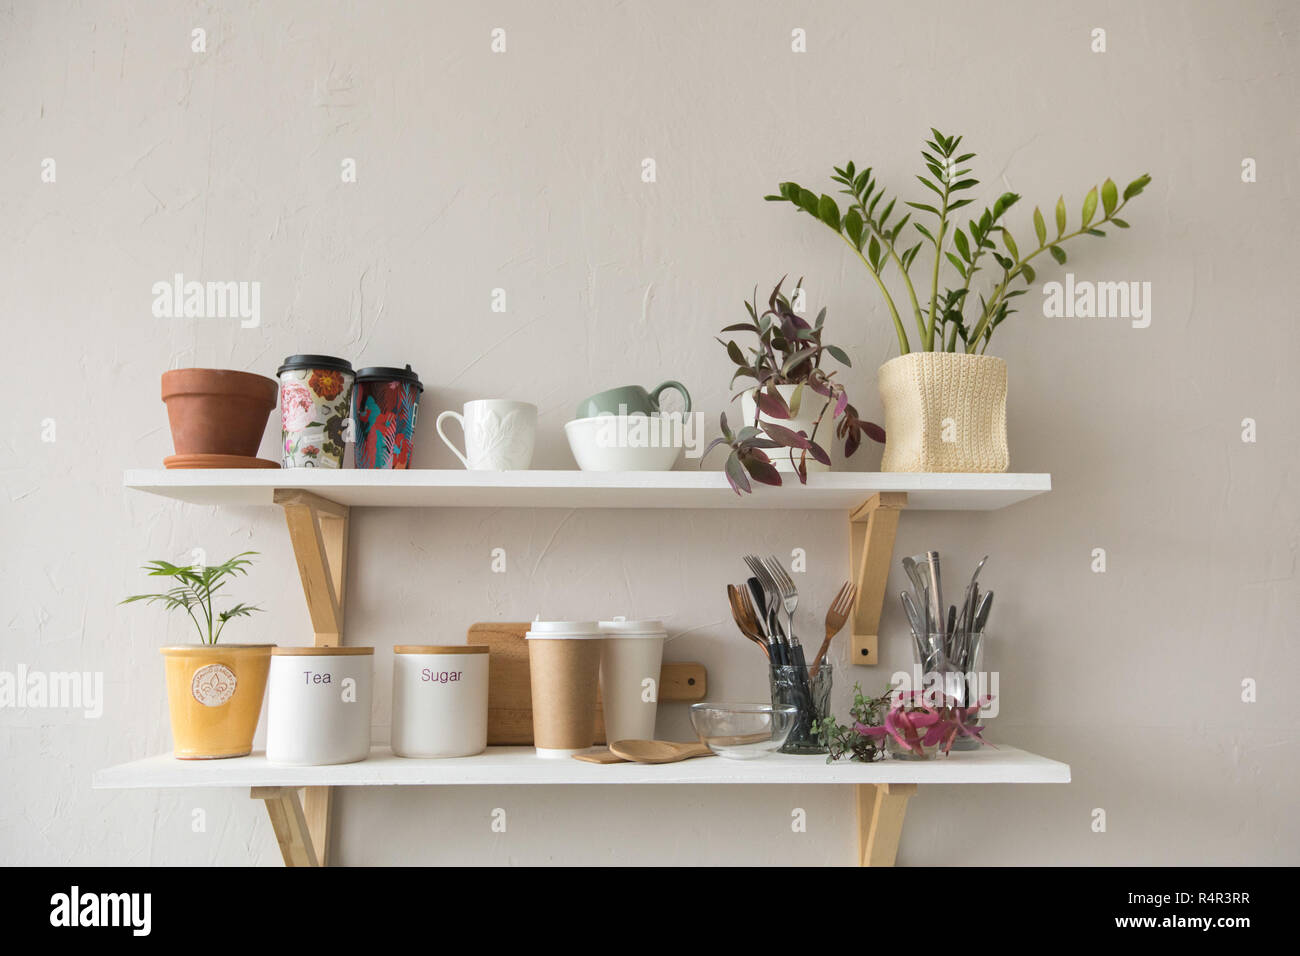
column 384, row 403
column 315, row 410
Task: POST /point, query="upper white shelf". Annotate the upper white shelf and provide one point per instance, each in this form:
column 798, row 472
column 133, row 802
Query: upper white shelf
column 444, row 488
column 521, row 765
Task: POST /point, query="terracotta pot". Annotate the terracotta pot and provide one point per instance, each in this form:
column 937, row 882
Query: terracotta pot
column 214, row 693
column 944, row 412
column 217, row 411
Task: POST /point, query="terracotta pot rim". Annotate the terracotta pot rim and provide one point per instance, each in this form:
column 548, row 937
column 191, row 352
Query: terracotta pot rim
column 219, row 381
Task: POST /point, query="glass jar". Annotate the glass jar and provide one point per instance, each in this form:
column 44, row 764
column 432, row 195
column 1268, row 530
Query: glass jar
column 811, row 695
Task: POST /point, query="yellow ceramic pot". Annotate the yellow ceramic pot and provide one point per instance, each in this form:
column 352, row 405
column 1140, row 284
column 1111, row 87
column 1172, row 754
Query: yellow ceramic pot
column 215, row 695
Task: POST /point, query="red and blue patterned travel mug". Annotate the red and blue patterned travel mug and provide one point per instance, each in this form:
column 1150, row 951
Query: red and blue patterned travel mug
column 384, row 403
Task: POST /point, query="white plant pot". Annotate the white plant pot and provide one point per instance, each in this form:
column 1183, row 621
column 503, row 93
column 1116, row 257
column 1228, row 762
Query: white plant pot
column 944, row 412
column 319, row 711
column 440, row 700
column 810, row 406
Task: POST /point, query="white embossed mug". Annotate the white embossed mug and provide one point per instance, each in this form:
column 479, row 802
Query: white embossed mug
column 499, row 435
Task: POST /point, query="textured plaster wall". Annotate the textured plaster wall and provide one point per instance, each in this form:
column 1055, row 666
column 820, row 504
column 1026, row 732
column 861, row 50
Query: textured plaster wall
column 521, row 171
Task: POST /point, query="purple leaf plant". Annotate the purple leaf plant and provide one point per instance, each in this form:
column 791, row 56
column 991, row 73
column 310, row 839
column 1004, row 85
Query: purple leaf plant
column 788, row 351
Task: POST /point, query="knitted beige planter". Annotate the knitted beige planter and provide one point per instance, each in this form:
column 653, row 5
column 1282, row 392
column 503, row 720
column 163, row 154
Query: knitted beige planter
column 944, row 411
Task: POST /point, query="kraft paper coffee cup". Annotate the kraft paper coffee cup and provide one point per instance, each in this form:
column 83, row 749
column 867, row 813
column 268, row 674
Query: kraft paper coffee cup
column 629, row 677
column 564, row 667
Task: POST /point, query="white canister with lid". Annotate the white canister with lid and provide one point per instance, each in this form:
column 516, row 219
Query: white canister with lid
column 564, row 674
column 440, row 700
column 629, row 677
column 319, row 708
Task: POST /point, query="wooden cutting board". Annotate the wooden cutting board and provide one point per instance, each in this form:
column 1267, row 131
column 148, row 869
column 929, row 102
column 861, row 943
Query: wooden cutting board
column 510, row 695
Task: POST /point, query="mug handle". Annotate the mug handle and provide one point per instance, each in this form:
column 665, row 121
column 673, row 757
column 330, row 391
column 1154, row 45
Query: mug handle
column 678, row 387
column 447, row 441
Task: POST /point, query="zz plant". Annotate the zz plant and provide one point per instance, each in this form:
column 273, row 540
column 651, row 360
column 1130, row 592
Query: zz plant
column 879, row 240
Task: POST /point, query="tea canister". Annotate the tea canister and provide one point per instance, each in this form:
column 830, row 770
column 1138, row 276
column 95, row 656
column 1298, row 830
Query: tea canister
column 440, row 700
column 319, row 710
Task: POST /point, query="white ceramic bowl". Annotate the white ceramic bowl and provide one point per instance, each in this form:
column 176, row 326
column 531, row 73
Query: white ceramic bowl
column 624, row 443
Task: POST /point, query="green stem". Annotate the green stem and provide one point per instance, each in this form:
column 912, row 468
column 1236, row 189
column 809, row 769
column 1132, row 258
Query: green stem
column 991, row 306
column 903, row 345
column 888, row 245
column 938, row 254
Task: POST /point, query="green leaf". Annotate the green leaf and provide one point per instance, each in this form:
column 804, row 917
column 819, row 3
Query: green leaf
column 839, row 355
column 1040, row 227
column 1010, row 244
column 925, row 232
column 884, row 214
column 1136, row 186
column 1095, row 232
column 873, row 252
column 807, row 200
column 1060, row 217
column 1109, row 196
column 956, row 264
column 1119, row 222
column 828, row 212
column 1057, row 253
column 1027, row 271
column 959, row 240
column 853, row 226
column 1089, row 205
column 929, row 185
column 923, row 207
column 953, row 206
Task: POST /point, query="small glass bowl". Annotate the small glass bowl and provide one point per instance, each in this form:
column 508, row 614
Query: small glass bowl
column 743, row 731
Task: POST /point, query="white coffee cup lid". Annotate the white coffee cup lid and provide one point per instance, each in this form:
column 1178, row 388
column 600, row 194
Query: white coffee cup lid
column 622, row 627
column 564, row 630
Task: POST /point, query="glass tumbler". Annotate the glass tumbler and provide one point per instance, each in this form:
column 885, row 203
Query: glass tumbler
column 811, row 695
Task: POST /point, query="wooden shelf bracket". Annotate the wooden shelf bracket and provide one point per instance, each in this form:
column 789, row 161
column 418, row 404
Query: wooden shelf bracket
column 289, row 822
column 318, row 530
column 881, row 808
column 871, row 544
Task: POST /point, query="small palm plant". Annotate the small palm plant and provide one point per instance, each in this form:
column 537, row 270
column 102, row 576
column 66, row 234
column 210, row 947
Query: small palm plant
column 194, row 592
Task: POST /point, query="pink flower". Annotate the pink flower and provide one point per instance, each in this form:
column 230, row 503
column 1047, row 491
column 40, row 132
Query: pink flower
column 296, row 406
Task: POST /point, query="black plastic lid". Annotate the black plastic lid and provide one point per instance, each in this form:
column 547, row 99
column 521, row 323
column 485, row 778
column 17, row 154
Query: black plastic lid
column 385, row 373
column 315, row 361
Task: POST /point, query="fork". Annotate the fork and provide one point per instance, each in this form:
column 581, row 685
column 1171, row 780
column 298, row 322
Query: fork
column 788, row 593
column 838, row 613
column 771, row 590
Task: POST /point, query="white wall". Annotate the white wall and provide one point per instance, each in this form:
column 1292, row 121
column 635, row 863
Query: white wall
column 521, row 171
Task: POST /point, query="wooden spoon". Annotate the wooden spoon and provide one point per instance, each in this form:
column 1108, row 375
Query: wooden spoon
column 658, row 751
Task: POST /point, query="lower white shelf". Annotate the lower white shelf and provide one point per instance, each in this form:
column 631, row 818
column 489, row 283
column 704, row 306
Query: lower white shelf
column 521, row 766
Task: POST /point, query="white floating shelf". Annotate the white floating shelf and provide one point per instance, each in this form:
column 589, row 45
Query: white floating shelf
column 430, row 488
column 520, row 765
